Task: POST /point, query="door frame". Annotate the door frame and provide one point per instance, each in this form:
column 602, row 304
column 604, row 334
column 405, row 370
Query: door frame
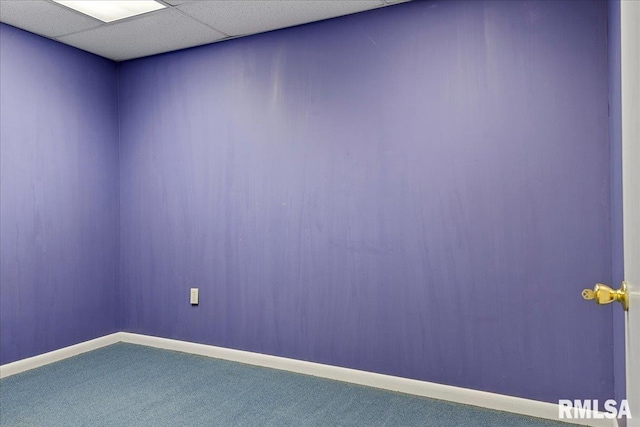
column 630, row 116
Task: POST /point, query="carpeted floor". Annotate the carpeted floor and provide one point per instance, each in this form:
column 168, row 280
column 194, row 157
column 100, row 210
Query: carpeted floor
column 130, row 385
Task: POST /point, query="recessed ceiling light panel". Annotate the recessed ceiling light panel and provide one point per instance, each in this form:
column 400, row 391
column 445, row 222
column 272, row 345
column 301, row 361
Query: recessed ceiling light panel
column 109, row 11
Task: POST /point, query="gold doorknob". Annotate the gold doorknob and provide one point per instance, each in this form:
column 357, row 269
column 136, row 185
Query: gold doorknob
column 603, row 294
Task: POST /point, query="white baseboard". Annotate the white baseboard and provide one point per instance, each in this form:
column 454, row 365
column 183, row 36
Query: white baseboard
column 22, row 365
column 465, row 396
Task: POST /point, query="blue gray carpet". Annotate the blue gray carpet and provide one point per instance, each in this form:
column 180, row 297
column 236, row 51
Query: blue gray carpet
column 130, row 385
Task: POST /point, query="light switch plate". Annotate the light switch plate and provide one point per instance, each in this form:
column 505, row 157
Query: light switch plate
column 194, row 296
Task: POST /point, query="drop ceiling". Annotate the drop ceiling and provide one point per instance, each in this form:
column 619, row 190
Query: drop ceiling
column 180, row 25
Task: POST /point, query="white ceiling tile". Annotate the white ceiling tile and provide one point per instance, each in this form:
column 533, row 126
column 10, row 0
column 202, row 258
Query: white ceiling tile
column 44, row 17
column 241, row 17
column 172, row 28
column 157, row 32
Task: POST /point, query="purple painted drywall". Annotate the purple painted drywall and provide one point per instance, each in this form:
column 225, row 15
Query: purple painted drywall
column 421, row 191
column 59, row 195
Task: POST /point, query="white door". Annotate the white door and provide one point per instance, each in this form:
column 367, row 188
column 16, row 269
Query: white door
column 630, row 65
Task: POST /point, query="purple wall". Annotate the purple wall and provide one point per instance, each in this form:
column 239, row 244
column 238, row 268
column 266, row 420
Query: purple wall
column 58, row 195
column 421, row 191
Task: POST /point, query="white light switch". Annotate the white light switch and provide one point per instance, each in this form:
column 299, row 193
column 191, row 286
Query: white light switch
column 194, row 296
